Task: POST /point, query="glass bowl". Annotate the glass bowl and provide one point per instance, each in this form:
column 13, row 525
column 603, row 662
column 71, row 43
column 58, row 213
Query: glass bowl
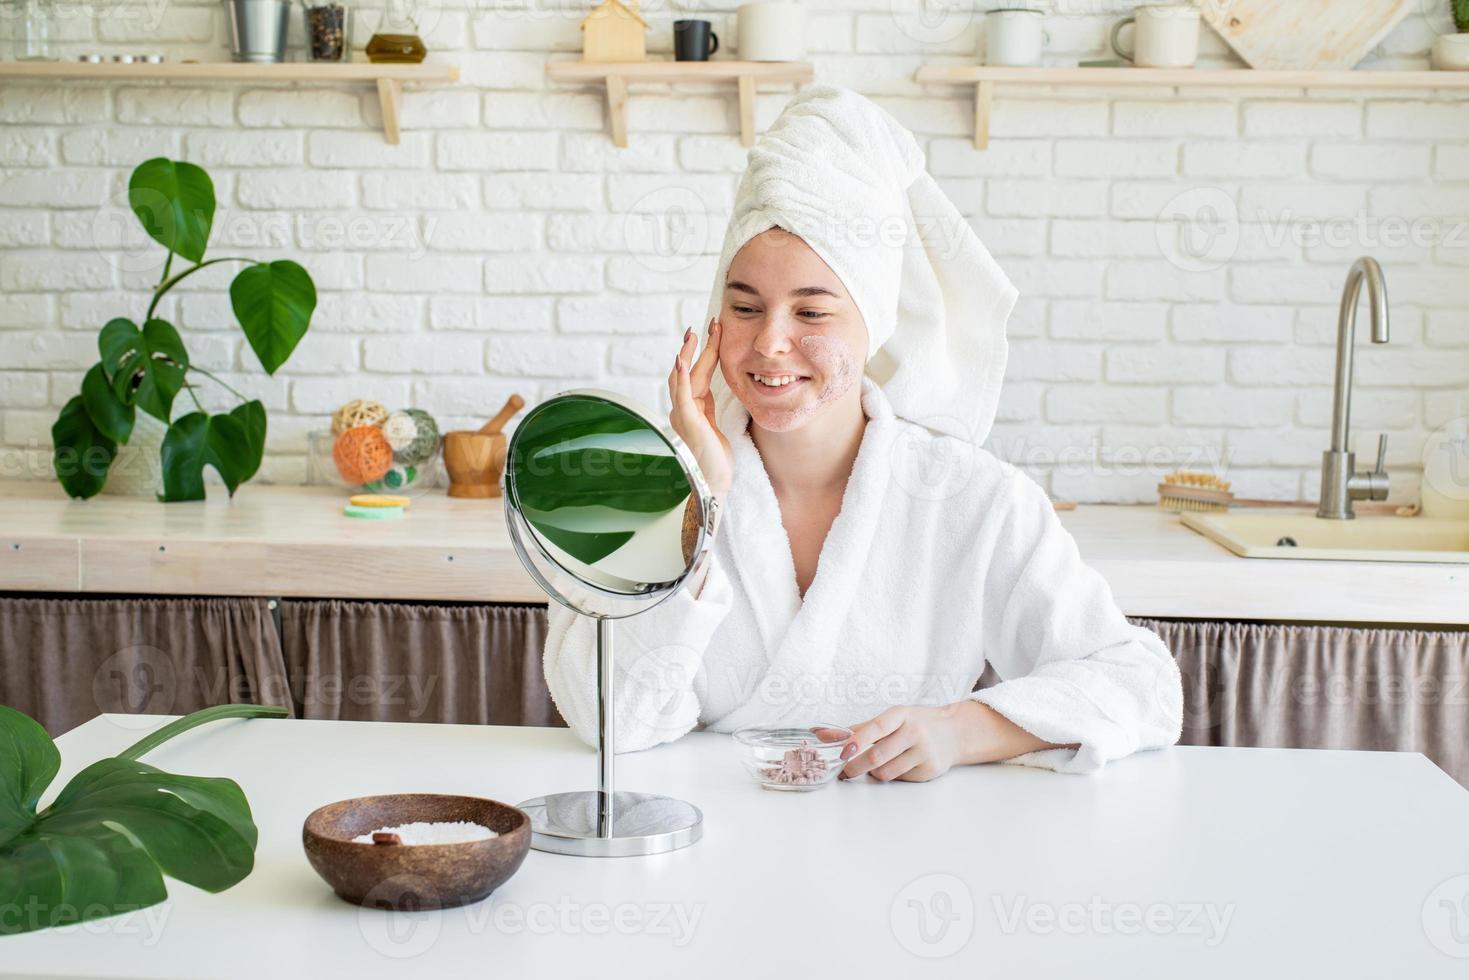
column 795, row 759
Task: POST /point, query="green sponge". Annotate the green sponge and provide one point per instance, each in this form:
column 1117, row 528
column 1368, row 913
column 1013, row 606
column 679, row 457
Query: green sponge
column 373, row 513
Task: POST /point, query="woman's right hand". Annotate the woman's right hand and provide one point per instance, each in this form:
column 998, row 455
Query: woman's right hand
column 692, row 416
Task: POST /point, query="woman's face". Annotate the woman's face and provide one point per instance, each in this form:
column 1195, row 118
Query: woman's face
column 793, row 341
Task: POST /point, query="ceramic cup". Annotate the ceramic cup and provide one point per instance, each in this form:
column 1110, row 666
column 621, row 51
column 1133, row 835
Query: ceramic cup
column 1014, row 37
column 1451, row 52
column 773, row 31
column 693, row 40
column 1165, row 35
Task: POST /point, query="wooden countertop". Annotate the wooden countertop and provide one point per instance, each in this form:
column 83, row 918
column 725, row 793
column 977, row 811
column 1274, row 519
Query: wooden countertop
column 294, row 541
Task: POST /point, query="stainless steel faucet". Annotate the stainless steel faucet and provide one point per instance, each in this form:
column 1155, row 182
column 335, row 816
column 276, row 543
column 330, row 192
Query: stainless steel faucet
column 1340, row 483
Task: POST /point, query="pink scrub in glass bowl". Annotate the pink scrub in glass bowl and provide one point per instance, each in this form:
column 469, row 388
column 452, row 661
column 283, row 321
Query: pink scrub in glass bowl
column 794, row 759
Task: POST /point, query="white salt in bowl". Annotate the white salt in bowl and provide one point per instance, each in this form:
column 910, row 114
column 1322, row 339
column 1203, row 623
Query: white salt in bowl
column 414, row 876
column 793, row 759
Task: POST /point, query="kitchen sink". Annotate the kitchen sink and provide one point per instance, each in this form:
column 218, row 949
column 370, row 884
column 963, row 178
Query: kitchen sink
column 1304, row 535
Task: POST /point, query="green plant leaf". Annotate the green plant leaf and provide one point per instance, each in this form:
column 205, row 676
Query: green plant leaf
column 233, row 444
column 103, row 846
column 28, row 763
column 48, row 880
column 145, row 367
column 273, row 303
column 175, row 202
column 81, row 454
column 251, row 450
column 226, row 450
column 112, row 417
column 183, row 458
column 177, row 819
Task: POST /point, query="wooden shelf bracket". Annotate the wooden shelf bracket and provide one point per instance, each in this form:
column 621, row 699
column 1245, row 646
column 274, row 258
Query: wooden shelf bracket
column 390, row 98
column 616, row 76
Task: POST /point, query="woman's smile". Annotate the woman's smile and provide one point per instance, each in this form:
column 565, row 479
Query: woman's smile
column 771, row 385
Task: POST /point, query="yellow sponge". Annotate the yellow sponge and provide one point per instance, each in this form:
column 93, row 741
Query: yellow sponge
column 379, row 500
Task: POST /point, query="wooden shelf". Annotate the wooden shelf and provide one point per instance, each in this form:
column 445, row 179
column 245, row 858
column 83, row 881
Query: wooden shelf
column 984, row 79
column 389, row 78
column 616, row 75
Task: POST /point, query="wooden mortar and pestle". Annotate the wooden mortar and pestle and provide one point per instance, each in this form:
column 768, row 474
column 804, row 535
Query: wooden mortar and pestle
column 475, row 460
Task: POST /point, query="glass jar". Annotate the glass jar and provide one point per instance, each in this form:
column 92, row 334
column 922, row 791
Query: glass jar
column 328, row 30
column 399, row 39
column 33, row 23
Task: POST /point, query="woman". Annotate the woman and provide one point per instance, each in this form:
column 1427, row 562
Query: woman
column 871, row 560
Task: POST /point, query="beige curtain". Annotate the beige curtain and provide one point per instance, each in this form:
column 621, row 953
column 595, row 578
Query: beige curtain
column 1402, row 690
column 64, row 661
column 393, row 661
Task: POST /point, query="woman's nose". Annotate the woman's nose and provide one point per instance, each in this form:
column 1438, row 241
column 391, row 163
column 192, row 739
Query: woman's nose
column 775, row 336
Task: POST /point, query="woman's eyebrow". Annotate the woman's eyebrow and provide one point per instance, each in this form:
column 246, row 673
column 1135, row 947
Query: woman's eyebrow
column 742, row 287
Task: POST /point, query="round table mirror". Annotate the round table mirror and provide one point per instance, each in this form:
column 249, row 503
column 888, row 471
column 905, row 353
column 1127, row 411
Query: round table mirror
column 609, row 513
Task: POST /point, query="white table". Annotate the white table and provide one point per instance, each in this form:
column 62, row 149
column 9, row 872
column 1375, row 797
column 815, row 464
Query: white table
column 1187, row 863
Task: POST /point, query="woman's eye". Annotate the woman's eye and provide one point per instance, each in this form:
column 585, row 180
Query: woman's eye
column 743, row 309
column 815, row 314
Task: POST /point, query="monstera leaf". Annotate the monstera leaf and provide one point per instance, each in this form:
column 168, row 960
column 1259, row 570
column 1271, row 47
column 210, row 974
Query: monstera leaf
column 175, row 202
column 103, row 846
column 112, row 416
column 81, row 453
column 232, row 444
column 273, row 302
column 145, row 367
column 596, row 454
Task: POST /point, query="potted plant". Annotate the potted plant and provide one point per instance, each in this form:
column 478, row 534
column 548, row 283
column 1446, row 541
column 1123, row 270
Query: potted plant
column 145, row 368
column 1451, row 51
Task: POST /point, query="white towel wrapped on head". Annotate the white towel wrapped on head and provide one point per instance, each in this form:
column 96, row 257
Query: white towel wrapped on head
column 846, row 177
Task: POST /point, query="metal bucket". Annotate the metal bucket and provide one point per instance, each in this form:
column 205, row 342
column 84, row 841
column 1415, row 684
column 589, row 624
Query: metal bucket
column 258, row 30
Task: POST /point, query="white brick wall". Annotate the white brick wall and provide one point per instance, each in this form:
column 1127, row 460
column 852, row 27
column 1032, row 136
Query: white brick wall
column 506, row 246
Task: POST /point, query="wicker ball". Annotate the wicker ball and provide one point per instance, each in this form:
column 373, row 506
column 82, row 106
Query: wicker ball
column 413, row 434
column 357, row 413
column 362, row 454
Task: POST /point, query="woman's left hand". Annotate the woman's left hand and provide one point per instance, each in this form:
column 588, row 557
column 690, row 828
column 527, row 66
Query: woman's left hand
column 910, row 742
column 917, row 743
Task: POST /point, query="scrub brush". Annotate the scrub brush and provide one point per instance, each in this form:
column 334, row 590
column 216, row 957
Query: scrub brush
column 1197, row 492
column 1206, row 493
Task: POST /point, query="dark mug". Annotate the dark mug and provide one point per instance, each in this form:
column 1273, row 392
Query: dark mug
column 693, row 40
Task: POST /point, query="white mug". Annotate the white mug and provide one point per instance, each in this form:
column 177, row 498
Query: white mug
column 1166, row 35
column 1014, row 37
column 771, row 31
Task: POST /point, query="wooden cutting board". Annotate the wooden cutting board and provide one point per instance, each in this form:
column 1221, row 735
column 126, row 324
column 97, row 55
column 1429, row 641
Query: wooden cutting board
column 1304, row 34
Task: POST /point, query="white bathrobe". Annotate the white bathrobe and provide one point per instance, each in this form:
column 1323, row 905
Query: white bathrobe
column 942, row 559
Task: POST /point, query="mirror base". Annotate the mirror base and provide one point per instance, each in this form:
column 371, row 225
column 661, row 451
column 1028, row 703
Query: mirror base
column 642, row 823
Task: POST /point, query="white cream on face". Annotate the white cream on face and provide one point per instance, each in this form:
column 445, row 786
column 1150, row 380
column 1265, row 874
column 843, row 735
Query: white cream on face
column 836, row 362
column 837, row 366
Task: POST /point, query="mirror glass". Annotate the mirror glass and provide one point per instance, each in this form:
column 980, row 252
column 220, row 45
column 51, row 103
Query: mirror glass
column 598, row 490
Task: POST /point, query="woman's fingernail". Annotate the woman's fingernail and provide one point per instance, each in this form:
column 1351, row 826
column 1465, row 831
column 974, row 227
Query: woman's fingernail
column 687, row 333
column 849, row 750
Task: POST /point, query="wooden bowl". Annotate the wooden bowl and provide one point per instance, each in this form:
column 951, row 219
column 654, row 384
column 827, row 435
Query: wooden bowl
column 414, row 876
column 474, row 461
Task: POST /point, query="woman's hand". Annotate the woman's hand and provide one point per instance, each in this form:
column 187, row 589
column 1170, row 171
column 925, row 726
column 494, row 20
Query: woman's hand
column 917, row 743
column 693, row 409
